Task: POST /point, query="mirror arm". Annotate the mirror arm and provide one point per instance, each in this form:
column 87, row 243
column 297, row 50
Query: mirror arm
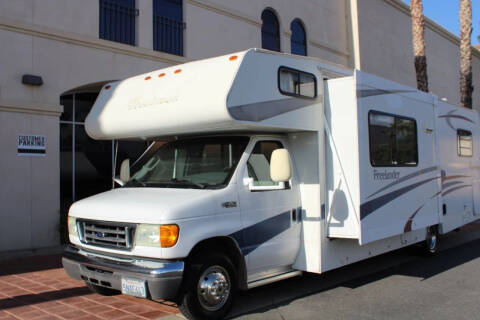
column 120, row 182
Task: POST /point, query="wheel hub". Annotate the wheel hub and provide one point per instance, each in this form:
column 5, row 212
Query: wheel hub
column 214, row 288
column 432, row 242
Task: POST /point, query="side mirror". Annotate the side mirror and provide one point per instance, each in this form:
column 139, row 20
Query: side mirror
column 280, row 166
column 125, row 170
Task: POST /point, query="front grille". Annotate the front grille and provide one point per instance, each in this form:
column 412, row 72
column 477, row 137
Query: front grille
column 106, row 234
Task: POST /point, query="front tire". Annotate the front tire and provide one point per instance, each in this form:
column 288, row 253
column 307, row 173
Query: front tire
column 431, row 241
column 209, row 287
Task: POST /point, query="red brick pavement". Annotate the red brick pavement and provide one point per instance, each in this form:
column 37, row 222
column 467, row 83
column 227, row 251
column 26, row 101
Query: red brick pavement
column 38, row 288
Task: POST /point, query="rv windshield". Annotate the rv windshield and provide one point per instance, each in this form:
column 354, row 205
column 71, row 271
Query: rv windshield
column 199, row 163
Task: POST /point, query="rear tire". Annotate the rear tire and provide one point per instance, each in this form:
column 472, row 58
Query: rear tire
column 431, row 241
column 102, row 290
column 209, row 287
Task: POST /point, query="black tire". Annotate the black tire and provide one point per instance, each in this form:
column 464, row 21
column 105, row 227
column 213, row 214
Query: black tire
column 431, row 241
column 195, row 301
column 102, row 290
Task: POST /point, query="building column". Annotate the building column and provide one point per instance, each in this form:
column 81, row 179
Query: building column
column 145, row 24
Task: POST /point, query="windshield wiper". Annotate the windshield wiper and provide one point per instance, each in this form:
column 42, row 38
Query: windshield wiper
column 135, row 182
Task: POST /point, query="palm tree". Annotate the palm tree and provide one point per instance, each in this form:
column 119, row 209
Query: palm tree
column 418, row 31
column 466, row 86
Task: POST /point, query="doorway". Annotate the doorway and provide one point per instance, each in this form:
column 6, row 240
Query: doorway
column 87, row 166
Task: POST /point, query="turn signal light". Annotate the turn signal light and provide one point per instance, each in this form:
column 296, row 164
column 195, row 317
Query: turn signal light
column 168, row 235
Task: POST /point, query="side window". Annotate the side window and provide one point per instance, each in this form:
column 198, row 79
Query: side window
column 258, row 165
column 464, row 143
column 297, row 83
column 393, row 140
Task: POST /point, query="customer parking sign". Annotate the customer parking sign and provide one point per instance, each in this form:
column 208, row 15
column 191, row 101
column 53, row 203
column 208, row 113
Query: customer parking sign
column 31, row 145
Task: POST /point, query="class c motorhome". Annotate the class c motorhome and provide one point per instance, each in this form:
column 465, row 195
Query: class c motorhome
column 275, row 165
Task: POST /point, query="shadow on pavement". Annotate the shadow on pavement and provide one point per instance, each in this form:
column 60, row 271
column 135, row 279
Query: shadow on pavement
column 30, row 299
column 30, row 264
column 425, row 267
column 404, row 261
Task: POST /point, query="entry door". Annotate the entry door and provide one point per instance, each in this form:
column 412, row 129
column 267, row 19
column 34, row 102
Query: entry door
column 270, row 213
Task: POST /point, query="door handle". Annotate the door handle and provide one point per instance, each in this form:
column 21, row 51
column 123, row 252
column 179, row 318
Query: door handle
column 296, row 214
column 229, row 204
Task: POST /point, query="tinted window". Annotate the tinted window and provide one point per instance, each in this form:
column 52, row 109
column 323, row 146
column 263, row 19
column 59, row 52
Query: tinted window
column 297, row 83
column 270, row 31
column 259, row 163
column 117, row 20
column 393, row 140
column 298, row 41
column 465, row 143
column 168, row 26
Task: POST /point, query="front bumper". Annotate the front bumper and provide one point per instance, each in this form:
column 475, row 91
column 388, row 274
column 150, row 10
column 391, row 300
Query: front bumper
column 162, row 278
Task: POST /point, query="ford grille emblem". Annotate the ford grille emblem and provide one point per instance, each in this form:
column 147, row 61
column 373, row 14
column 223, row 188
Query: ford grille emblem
column 100, row 234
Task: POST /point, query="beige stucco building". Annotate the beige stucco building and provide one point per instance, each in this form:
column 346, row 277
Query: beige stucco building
column 65, row 42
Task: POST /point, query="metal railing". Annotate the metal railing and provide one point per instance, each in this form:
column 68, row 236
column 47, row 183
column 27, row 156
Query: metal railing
column 117, row 22
column 168, row 35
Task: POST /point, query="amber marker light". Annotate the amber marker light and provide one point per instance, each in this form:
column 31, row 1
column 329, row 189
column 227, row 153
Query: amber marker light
column 161, row 75
column 108, row 87
column 178, row 70
column 168, row 235
column 233, row 58
column 148, row 78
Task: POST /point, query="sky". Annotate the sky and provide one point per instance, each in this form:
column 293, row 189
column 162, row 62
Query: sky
column 445, row 13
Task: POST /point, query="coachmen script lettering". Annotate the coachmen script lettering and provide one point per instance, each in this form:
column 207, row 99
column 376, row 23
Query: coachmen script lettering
column 31, row 145
column 385, row 175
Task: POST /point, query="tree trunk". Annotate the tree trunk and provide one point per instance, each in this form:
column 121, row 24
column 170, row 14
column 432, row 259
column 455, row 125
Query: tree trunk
column 418, row 31
column 466, row 86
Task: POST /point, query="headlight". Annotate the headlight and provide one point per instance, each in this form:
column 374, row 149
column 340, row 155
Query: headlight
column 153, row 235
column 72, row 227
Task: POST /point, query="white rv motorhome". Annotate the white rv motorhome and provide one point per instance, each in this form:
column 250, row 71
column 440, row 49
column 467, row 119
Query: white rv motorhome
column 274, row 165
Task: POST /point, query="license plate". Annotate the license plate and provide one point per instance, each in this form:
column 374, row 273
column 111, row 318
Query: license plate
column 134, row 287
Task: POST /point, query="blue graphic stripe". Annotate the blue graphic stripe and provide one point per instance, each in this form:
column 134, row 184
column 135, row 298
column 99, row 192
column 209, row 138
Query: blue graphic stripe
column 364, row 93
column 455, row 189
column 405, row 178
column 456, row 116
column 370, row 206
column 449, row 184
column 250, row 238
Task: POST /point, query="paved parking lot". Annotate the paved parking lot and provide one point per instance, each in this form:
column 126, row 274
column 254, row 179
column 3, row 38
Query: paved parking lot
column 38, row 288
column 396, row 285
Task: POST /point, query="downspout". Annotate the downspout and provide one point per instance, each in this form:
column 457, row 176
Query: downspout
column 353, row 34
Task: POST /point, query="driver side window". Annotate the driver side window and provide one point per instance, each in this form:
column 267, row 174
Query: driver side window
column 258, row 165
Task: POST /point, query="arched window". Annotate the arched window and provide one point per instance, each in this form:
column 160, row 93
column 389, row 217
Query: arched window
column 270, row 31
column 299, row 38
